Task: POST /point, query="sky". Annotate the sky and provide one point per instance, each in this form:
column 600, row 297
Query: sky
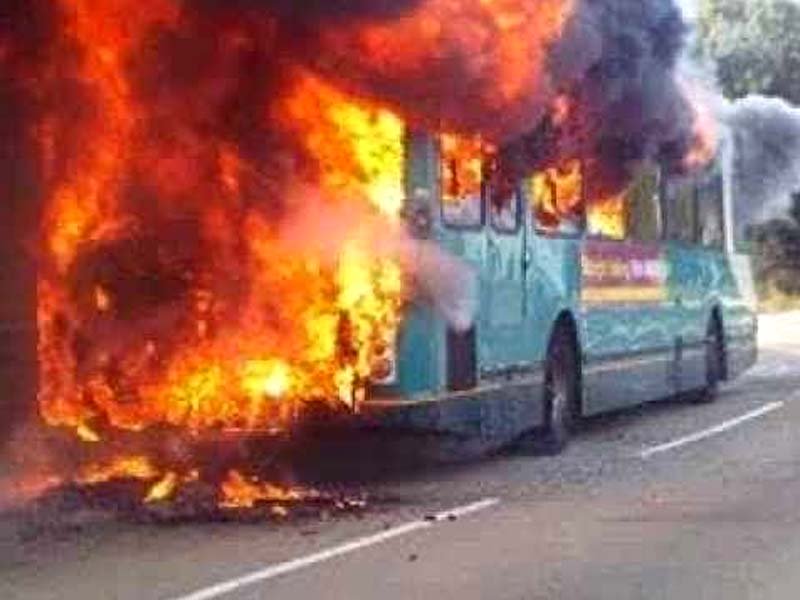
column 689, row 8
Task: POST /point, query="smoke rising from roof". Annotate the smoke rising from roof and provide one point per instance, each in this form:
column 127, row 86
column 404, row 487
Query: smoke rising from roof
column 615, row 59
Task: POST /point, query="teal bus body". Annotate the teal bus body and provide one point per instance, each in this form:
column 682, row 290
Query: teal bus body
column 636, row 342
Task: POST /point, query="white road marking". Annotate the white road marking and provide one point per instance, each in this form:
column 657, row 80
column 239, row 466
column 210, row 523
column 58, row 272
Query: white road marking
column 278, row 569
column 712, row 431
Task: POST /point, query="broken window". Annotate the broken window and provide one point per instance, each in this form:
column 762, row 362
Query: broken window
column 502, row 198
column 556, row 197
column 710, row 211
column 680, row 207
column 644, row 205
column 461, row 180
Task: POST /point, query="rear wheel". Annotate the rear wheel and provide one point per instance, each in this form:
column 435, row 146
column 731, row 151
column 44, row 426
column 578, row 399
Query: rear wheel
column 561, row 391
column 715, row 361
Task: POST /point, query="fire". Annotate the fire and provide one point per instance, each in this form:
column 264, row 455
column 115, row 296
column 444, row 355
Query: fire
column 558, row 194
column 169, row 293
column 463, row 163
column 222, row 193
column 165, row 487
column 705, row 130
column 121, row 467
column 500, row 47
column 264, row 377
column 83, row 205
column 606, row 217
column 372, row 167
column 704, row 141
column 239, row 491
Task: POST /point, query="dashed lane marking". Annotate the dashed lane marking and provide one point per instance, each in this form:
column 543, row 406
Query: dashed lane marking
column 711, row 431
column 303, row 562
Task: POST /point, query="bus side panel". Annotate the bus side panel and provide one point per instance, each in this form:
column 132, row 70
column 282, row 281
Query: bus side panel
column 628, row 319
column 740, row 319
column 698, row 281
column 705, row 279
column 553, row 282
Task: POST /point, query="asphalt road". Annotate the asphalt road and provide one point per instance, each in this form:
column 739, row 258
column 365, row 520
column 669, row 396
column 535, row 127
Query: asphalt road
column 668, row 501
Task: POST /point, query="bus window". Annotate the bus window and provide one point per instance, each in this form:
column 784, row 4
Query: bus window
column 605, row 218
column 643, row 205
column 461, row 177
column 710, row 211
column 680, row 207
column 503, row 200
column 505, row 213
column 556, row 197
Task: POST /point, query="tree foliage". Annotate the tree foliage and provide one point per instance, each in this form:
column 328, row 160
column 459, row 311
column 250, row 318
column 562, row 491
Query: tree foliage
column 777, row 252
column 755, row 45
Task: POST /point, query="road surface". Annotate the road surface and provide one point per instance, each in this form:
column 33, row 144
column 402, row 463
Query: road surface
column 668, row 501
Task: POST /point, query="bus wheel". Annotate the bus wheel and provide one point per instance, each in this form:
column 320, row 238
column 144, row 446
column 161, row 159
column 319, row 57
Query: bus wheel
column 560, row 392
column 715, row 361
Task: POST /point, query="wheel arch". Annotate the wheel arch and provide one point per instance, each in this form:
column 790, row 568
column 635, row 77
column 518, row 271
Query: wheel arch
column 716, row 317
column 565, row 321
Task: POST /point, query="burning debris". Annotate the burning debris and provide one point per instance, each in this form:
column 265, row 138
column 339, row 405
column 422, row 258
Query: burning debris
column 222, row 247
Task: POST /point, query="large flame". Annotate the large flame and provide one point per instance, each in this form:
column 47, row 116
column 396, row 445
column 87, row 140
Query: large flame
column 479, row 64
column 220, row 186
column 216, row 320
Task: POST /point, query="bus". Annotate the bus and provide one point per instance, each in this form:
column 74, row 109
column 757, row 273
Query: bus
column 584, row 306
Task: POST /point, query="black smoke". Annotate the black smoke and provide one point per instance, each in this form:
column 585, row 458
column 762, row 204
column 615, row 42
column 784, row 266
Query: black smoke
column 617, row 61
column 766, row 145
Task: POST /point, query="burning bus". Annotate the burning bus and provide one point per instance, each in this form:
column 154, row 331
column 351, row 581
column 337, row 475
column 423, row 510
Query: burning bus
column 585, row 305
column 460, row 217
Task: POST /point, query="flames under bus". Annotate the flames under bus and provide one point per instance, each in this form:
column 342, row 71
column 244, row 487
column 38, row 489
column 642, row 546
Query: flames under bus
column 583, row 306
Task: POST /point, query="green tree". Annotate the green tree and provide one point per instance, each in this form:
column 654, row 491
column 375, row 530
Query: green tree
column 754, row 44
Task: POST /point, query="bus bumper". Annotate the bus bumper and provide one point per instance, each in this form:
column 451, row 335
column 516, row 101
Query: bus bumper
column 498, row 411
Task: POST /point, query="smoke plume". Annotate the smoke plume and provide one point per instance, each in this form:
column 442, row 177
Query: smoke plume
column 766, row 143
column 463, row 66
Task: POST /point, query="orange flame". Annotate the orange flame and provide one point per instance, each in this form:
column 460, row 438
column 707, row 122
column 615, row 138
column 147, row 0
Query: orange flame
column 607, row 217
column 304, row 326
column 500, row 46
column 175, row 289
column 705, row 133
column 238, row 491
column 121, row 467
column 557, row 194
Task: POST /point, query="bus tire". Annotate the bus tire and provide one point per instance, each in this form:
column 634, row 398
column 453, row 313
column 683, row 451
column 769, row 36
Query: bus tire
column 715, row 361
column 561, row 391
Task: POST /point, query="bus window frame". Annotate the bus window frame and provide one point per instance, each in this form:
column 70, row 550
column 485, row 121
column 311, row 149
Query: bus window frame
column 701, row 180
column 599, row 237
column 667, row 233
column 560, row 234
column 482, row 221
column 519, row 217
column 479, row 226
column 661, row 235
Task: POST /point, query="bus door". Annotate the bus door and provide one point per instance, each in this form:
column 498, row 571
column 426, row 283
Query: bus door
column 463, row 233
column 504, row 344
column 556, row 223
column 482, row 224
column 625, row 300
